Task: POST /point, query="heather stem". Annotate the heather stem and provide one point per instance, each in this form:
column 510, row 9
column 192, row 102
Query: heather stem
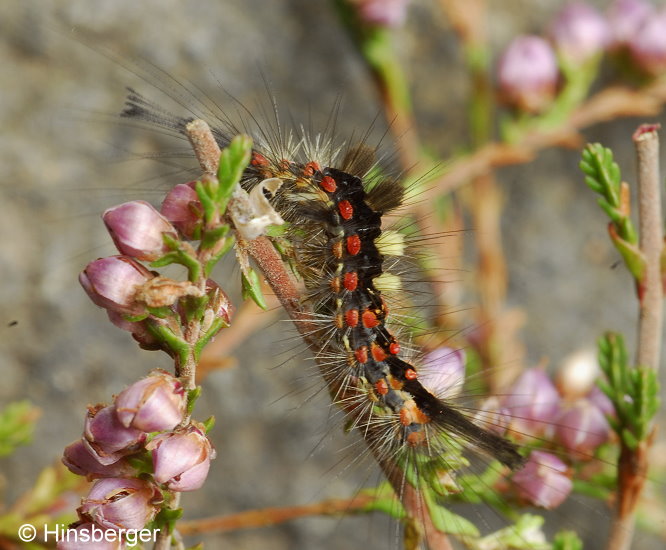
column 651, row 296
column 208, row 153
column 633, row 463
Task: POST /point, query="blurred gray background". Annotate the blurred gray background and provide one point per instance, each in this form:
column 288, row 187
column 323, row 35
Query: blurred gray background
column 65, row 157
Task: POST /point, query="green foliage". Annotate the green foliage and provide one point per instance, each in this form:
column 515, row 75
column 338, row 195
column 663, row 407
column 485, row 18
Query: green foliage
column 525, row 534
column 166, row 519
column 634, row 392
column 252, row 288
column 181, row 253
column 567, row 540
column 602, row 175
column 192, row 397
column 17, row 424
column 233, row 161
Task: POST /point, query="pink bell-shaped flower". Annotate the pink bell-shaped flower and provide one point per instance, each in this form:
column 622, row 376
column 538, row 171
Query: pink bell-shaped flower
column 137, row 230
column 152, row 404
column 181, row 459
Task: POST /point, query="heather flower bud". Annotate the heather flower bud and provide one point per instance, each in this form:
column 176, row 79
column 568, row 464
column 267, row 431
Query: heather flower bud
column 152, row 404
column 112, row 283
column 533, row 401
column 528, row 74
column 181, row 459
column 625, row 17
column 648, row 45
column 80, row 460
column 383, row 13
column 543, row 481
column 219, row 306
column 137, row 228
column 119, row 503
column 183, row 209
column 444, row 372
column 579, row 32
column 106, row 436
column 582, row 427
column 89, row 536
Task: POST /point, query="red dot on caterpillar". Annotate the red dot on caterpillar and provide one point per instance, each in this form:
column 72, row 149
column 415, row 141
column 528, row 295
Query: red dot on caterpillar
column 328, row 184
column 259, row 160
column 351, row 317
column 346, row 209
column 381, row 386
column 353, row 244
column 415, row 439
column 378, row 354
column 310, row 168
column 369, row 319
column 361, row 354
column 394, row 348
column 351, row 281
column 410, row 374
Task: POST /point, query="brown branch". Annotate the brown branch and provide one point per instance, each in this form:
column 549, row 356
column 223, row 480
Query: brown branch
column 286, row 289
column 606, row 105
column 274, row 516
column 651, row 234
column 633, row 464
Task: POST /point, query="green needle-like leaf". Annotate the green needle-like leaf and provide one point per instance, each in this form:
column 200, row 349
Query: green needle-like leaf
column 233, row 161
column 602, row 175
column 252, row 288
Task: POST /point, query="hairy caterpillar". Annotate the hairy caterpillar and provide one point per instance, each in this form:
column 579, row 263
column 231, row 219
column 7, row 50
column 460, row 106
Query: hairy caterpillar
column 247, row 410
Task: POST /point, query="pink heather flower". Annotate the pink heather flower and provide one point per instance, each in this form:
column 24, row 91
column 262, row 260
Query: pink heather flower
column 582, row 427
column 528, row 73
column 383, row 13
column 181, row 459
column 533, row 402
column 80, row 460
column 444, row 372
column 543, row 481
column 579, row 32
column 136, row 229
column 112, row 283
column 183, row 209
column 625, row 18
column 89, row 536
column 107, row 438
column 152, row 404
column 119, row 503
column 648, row 45
column 601, row 401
